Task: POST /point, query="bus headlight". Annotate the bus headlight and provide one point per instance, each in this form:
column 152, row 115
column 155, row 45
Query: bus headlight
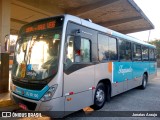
column 49, row 94
column 12, row 87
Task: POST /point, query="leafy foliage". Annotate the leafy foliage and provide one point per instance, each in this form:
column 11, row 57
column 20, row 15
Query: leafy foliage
column 157, row 44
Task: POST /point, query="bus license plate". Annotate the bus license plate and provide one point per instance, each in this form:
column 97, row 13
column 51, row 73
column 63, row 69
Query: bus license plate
column 24, row 107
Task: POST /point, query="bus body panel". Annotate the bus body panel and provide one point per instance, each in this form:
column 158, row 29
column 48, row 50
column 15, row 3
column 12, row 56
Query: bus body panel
column 122, row 73
column 125, row 85
column 117, row 88
column 78, row 101
column 102, row 72
column 152, row 67
column 56, row 104
column 83, row 78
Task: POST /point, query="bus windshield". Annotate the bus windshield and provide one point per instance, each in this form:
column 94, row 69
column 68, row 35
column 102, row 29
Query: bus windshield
column 36, row 55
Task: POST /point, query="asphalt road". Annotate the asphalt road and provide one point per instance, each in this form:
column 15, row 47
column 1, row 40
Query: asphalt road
column 133, row 100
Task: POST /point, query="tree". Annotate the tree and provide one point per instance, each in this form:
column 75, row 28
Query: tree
column 157, row 44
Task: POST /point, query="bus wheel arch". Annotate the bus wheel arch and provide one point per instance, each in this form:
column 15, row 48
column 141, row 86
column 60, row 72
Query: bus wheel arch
column 103, row 87
column 144, row 80
column 146, row 73
column 108, row 87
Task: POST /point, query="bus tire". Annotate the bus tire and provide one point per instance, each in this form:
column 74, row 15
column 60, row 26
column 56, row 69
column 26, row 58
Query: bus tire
column 144, row 82
column 99, row 97
column 108, row 93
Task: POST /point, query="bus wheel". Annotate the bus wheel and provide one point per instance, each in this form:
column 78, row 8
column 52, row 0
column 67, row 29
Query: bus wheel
column 144, row 81
column 100, row 96
column 108, row 93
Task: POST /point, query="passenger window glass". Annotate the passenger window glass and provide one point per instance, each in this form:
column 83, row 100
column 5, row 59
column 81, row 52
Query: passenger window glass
column 107, row 48
column 83, row 55
column 128, row 51
column 137, row 52
column 151, row 55
column 103, row 47
column 85, row 50
column 77, row 56
column 145, row 53
column 155, row 54
column 69, row 52
column 70, row 48
column 112, row 49
column 124, row 50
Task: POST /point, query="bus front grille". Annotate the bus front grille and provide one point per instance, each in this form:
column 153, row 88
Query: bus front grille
column 29, row 105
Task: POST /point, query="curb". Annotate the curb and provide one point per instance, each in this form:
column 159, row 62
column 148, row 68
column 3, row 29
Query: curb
column 6, row 103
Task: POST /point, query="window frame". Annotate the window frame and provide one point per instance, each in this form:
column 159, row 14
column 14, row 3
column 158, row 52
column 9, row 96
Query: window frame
column 116, row 47
column 90, row 50
column 108, row 60
column 142, row 46
column 154, row 59
column 155, row 54
column 66, row 41
column 131, row 57
column 99, row 48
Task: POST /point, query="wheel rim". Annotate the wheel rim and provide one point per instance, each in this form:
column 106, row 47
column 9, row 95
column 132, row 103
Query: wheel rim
column 100, row 95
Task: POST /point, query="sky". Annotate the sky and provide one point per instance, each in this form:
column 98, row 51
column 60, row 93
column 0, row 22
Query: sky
column 151, row 9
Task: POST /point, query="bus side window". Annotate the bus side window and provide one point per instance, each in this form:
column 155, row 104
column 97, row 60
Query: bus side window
column 145, row 54
column 151, row 54
column 107, row 48
column 124, row 50
column 103, row 47
column 137, row 54
column 155, row 54
column 85, row 51
column 113, row 49
column 83, row 55
column 69, row 52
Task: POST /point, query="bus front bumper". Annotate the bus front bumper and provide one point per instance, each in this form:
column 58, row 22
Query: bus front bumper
column 56, row 104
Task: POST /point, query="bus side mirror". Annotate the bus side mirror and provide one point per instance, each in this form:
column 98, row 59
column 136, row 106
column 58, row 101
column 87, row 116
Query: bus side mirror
column 77, row 43
column 7, row 43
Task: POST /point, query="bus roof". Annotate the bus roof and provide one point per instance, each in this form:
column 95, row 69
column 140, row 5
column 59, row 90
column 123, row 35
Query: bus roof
column 94, row 26
column 104, row 29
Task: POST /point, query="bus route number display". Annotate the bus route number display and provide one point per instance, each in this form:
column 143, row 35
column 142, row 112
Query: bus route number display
column 43, row 26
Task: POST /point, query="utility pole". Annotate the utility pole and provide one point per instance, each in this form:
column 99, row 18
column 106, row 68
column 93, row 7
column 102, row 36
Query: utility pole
column 149, row 35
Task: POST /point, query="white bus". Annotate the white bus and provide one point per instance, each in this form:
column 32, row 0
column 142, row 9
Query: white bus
column 66, row 63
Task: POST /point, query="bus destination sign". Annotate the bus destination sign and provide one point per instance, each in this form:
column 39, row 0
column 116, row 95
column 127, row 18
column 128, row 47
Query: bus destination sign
column 43, row 24
column 47, row 25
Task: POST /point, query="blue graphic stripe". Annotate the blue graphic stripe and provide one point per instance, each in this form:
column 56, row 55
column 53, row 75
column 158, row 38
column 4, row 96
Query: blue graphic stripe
column 32, row 94
column 130, row 70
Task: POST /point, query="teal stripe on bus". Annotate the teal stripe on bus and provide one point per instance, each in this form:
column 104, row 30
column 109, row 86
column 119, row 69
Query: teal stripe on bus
column 31, row 94
column 129, row 70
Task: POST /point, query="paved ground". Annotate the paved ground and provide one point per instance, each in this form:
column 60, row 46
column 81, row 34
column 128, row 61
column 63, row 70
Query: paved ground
column 133, row 100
